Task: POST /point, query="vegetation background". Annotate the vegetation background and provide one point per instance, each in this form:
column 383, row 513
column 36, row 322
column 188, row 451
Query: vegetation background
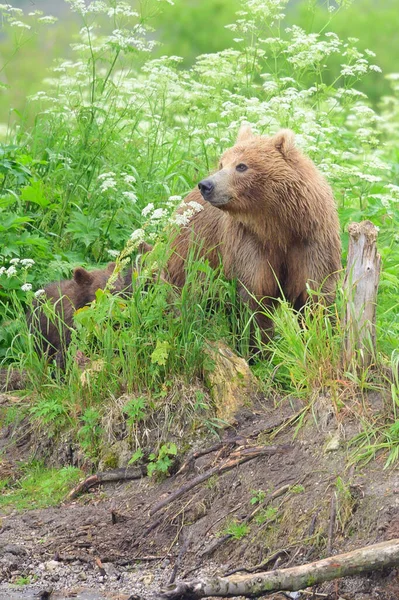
column 110, row 114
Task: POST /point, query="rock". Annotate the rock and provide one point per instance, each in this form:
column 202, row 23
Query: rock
column 51, row 565
column 147, row 579
column 13, row 549
column 110, row 569
column 333, row 443
column 231, row 382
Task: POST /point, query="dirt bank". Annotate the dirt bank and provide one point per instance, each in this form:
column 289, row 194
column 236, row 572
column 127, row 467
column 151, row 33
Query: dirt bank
column 274, row 509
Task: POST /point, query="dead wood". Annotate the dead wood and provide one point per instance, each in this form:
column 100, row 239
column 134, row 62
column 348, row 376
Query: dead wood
column 189, row 462
column 369, row 558
column 100, row 566
column 331, row 527
column 260, row 566
column 236, row 458
column 127, row 474
column 182, row 552
column 361, row 286
column 235, row 440
column 133, row 559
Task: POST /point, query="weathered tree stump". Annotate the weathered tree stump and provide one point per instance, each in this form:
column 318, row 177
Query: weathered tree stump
column 361, row 286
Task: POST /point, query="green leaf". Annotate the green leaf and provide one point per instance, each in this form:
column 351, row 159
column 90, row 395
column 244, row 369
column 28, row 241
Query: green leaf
column 35, row 193
column 161, row 353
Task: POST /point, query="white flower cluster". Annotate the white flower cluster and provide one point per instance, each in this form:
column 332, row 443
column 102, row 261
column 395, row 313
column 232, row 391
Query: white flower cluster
column 187, row 211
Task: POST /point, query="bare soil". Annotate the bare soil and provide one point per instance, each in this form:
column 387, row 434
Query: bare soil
column 106, row 544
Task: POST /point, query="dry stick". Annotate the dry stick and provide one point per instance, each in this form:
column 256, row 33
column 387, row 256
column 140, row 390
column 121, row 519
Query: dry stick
column 237, row 458
column 106, row 477
column 218, row 446
column 260, row 566
column 331, row 527
column 179, row 558
column 377, row 556
column 233, row 440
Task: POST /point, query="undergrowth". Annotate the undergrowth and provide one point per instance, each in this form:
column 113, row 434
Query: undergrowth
column 37, row 486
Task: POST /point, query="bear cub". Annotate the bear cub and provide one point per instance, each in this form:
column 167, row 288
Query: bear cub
column 53, row 335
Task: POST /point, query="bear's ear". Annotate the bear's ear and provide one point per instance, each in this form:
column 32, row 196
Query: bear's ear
column 244, row 134
column 284, row 141
column 81, row 276
column 110, row 267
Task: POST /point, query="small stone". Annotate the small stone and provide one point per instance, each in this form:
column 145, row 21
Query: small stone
column 333, row 443
column 51, row 565
column 147, row 579
column 82, row 576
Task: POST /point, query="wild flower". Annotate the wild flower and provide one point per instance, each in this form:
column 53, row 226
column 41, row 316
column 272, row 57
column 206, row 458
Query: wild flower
column 158, row 214
column 148, row 209
column 130, row 196
column 26, row 287
column 11, row 271
column 108, row 184
column 27, row 262
column 137, row 236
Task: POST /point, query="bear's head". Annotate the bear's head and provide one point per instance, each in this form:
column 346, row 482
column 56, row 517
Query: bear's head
column 88, row 282
column 258, row 176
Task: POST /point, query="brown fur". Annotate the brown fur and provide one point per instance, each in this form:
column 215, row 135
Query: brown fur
column 53, row 336
column 274, row 226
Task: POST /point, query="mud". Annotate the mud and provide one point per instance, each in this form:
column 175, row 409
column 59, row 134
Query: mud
column 106, row 544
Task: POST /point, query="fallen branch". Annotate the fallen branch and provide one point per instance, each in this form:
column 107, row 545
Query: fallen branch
column 331, row 527
column 127, row 474
column 182, row 552
column 369, row 558
column 189, row 462
column 260, row 566
column 235, row 459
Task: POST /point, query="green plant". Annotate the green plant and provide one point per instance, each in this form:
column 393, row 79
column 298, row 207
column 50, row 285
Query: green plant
column 267, row 514
column 236, row 530
column 160, row 463
column 107, row 147
column 90, row 432
column 23, row 580
column 135, row 410
column 258, row 496
column 38, row 487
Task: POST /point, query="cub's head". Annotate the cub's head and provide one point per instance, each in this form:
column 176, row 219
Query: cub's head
column 88, row 282
column 255, row 174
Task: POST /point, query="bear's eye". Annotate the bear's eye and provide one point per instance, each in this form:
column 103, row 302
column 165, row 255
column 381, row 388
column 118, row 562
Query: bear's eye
column 241, row 167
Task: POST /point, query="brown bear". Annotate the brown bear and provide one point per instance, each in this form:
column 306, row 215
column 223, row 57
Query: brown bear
column 53, row 335
column 270, row 216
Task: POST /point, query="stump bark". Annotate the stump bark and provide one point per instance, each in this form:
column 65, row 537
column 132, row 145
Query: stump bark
column 361, row 286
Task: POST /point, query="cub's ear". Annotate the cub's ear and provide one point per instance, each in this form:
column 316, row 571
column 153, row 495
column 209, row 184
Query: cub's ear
column 284, row 141
column 244, row 134
column 110, row 267
column 81, row 276
column 144, row 248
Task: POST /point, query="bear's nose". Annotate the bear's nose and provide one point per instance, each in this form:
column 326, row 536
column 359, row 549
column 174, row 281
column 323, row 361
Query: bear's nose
column 206, row 188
